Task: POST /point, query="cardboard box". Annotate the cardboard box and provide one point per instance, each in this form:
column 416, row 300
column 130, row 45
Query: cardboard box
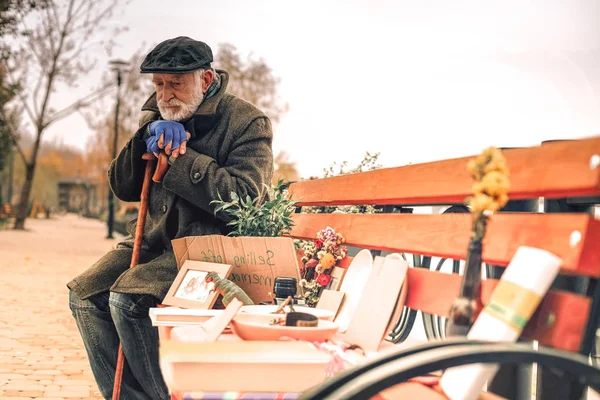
column 256, row 261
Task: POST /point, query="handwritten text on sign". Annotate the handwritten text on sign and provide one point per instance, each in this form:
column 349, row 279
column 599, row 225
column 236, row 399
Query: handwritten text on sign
column 256, row 261
column 246, row 260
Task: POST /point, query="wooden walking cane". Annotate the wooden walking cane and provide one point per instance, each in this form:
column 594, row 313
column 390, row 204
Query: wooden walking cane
column 160, row 171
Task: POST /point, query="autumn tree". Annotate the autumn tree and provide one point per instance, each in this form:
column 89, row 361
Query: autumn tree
column 7, row 92
column 56, row 161
column 55, row 51
column 285, row 169
column 251, row 79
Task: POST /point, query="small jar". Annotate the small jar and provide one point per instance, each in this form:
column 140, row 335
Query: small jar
column 284, row 287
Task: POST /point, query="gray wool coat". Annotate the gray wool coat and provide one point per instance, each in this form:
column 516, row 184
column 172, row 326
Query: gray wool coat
column 229, row 150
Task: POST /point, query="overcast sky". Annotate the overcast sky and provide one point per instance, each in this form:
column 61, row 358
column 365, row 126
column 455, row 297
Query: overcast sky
column 414, row 80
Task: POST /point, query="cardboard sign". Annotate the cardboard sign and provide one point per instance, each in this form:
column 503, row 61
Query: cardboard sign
column 256, row 261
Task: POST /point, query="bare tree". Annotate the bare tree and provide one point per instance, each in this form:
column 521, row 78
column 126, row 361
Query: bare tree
column 57, row 49
column 9, row 9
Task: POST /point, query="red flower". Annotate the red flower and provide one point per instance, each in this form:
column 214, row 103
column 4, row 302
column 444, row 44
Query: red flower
column 312, row 263
column 318, row 243
column 324, row 279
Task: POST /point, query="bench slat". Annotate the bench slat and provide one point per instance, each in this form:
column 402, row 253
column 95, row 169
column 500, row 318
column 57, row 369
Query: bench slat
column 447, row 235
column 434, row 292
column 553, row 170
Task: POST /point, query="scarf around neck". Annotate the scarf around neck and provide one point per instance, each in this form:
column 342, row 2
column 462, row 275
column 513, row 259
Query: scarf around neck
column 214, row 86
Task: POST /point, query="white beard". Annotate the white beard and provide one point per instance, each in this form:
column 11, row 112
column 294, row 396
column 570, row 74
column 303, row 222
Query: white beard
column 183, row 110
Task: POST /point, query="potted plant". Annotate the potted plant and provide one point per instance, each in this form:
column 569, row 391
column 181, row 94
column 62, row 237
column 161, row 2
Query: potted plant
column 249, row 217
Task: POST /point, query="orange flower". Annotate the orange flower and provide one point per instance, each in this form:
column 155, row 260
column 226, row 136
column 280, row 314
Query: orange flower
column 327, row 261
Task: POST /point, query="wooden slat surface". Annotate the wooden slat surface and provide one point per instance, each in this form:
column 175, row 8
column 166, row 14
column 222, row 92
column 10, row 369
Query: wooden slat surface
column 558, row 169
column 447, row 235
column 434, row 292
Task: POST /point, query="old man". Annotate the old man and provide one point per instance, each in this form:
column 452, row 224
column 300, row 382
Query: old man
column 217, row 143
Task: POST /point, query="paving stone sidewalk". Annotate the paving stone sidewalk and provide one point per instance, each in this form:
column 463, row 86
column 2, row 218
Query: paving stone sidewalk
column 41, row 353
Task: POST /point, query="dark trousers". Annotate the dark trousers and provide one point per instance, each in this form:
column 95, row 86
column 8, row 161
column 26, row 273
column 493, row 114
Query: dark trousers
column 107, row 319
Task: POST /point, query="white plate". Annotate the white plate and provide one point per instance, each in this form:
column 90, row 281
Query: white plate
column 401, row 299
column 267, row 309
column 353, row 284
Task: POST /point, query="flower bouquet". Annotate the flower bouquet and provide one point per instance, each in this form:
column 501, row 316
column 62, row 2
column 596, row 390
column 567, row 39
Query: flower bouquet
column 320, row 257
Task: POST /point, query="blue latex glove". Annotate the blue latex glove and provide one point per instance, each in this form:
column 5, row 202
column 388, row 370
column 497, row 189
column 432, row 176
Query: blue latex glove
column 173, row 132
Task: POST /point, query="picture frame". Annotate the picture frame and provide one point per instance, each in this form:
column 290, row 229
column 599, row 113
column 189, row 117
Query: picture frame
column 189, row 290
column 337, row 275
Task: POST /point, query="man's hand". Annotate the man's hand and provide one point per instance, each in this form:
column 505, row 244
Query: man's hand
column 168, row 135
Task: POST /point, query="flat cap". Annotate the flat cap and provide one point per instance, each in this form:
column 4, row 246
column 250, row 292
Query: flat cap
column 177, row 56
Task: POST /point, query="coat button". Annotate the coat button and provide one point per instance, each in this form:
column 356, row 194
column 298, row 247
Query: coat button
column 197, row 175
column 164, row 208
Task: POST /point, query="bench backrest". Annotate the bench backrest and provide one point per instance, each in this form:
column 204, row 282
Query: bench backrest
column 561, row 169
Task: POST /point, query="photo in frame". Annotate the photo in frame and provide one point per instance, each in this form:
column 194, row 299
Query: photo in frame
column 337, row 275
column 190, row 290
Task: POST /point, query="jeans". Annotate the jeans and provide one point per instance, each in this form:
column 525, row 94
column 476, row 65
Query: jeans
column 107, row 319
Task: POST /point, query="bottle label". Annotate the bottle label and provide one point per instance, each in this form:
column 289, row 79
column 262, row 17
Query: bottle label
column 513, row 304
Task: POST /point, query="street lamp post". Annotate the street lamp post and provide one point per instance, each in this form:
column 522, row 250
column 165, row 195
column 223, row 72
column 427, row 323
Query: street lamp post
column 11, row 167
column 116, row 65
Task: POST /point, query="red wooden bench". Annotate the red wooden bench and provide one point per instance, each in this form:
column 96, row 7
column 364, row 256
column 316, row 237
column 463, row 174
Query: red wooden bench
column 564, row 324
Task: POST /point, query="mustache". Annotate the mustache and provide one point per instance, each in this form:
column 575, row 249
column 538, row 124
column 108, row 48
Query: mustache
column 172, row 102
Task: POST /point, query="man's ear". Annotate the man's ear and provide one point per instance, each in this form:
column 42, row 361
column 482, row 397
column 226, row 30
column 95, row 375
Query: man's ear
column 207, row 79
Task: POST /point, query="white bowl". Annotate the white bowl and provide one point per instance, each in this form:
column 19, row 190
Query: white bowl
column 256, row 327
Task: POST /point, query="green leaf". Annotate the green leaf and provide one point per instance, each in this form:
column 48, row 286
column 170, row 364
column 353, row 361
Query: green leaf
column 252, row 217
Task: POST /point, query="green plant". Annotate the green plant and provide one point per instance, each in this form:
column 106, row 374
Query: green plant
column 249, row 217
column 368, row 163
